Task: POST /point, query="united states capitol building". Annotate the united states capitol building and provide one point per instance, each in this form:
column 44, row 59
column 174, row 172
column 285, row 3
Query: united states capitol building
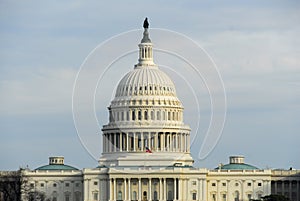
column 146, row 153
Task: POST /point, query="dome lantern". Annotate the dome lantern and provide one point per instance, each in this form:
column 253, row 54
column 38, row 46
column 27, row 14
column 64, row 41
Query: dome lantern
column 145, row 48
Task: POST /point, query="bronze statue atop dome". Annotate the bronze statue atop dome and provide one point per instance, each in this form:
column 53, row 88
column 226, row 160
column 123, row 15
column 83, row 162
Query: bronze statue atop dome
column 146, row 23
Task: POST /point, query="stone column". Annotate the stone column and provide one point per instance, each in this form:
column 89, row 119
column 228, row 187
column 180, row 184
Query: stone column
column 168, row 142
column 129, row 189
column 115, row 142
column 160, row 189
column 179, row 189
column 199, row 189
column 149, row 141
column 142, row 141
column 204, row 196
column 125, row 189
column 86, row 189
column 108, row 142
column 140, row 189
column 120, row 141
column 162, row 138
column 156, row 141
column 175, row 188
column 150, row 190
column 110, row 189
column 185, row 189
column 176, row 142
column 127, row 142
column 165, row 189
column 115, row 189
column 188, row 142
column 218, row 191
column 242, row 189
column 103, row 143
column 183, row 142
column 134, row 141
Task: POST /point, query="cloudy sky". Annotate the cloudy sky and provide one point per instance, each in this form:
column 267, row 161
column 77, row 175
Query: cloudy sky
column 255, row 46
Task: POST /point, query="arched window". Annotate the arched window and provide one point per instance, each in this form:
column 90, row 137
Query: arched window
column 77, row 196
column 144, row 195
column 146, row 115
column 155, row 197
column 139, row 115
column 152, row 115
column 133, row 115
column 236, row 196
column 134, row 197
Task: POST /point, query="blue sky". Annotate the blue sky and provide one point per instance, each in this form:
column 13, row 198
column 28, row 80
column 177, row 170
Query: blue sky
column 255, row 45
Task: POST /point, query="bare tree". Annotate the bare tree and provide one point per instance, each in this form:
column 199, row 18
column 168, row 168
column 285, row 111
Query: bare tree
column 14, row 186
column 10, row 185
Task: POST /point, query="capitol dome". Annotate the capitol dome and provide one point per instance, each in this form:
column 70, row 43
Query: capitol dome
column 146, row 81
column 145, row 117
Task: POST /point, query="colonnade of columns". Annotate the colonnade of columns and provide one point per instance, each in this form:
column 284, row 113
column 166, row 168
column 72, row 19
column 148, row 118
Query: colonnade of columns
column 289, row 188
column 145, row 189
column 138, row 141
column 146, row 114
column 146, row 52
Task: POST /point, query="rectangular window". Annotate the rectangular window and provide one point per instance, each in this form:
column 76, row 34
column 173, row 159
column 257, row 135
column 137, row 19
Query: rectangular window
column 67, row 184
column 77, row 184
column 259, row 184
column 194, row 183
column 248, row 184
column 224, row 197
column 95, row 195
column 77, row 196
column 67, row 197
column 194, row 195
column 95, row 183
column 213, row 197
column 42, row 184
column 213, row 184
column 223, row 184
column 249, row 197
column 259, row 196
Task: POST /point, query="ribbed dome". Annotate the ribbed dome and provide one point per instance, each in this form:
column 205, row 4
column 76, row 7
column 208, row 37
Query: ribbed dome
column 146, row 81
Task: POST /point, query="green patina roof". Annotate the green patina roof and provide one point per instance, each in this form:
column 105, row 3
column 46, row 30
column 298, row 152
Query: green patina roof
column 56, row 167
column 237, row 166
